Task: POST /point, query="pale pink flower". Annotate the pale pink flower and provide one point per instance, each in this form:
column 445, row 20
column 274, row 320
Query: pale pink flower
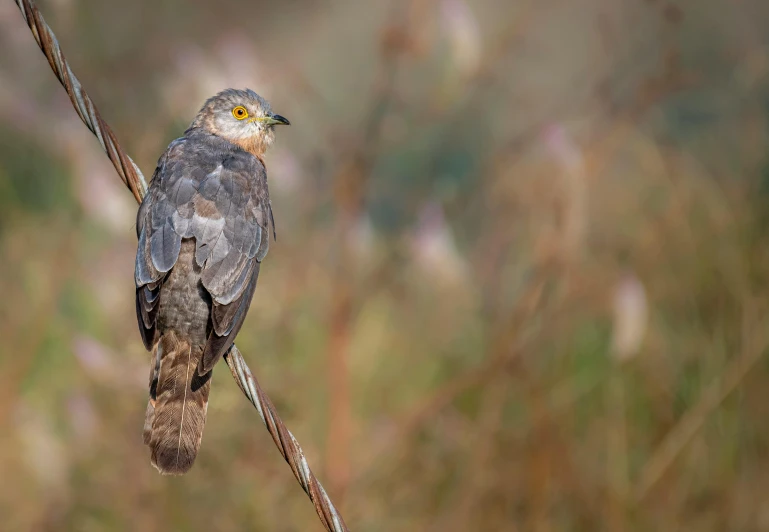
column 573, row 188
column 105, row 366
column 630, row 317
column 464, row 34
column 82, row 417
column 433, row 245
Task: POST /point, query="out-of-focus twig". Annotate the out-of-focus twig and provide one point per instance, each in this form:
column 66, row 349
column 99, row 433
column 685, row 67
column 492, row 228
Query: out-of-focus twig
column 683, row 432
column 617, row 475
column 134, row 180
column 468, row 496
column 505, row 347
column 349, row 188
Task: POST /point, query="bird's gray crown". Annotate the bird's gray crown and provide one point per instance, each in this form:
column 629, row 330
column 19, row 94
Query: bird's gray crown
column 229, row 98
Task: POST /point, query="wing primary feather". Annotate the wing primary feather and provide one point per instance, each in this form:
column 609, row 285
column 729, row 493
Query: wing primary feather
column 218, row 344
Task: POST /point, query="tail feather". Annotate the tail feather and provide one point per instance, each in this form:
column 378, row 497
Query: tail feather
column 149, row 417
column 174, row 423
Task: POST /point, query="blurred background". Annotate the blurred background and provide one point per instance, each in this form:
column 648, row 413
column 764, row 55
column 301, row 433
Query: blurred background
column 520, row 281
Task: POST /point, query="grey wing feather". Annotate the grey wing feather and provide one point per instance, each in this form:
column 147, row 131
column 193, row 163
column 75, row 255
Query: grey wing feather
column 223, row 203
column 227, row 321
column 232, row 269
column 155, row 252
column 230, row 215
column 165, row 244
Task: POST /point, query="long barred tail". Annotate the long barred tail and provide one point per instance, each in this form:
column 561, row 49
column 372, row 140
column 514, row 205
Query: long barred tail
column 176, row 413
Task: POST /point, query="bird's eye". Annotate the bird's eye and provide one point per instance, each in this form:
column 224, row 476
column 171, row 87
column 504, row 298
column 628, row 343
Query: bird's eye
column 240, row 112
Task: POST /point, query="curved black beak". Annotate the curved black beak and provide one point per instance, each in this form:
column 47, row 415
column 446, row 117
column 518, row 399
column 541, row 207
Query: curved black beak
column 277, row 119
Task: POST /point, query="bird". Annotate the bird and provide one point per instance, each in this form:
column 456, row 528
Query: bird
column 203, row 230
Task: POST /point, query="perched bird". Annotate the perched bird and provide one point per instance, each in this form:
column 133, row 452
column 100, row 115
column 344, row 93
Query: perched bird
column 203, row 231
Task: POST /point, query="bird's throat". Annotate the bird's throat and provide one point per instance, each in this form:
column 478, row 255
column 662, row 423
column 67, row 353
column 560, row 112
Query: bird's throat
column 253, row 145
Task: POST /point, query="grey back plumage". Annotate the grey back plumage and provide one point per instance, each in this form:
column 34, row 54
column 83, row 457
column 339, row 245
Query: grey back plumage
column 207, row 214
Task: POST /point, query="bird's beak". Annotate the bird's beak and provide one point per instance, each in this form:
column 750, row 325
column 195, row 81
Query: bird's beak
column 273, row 120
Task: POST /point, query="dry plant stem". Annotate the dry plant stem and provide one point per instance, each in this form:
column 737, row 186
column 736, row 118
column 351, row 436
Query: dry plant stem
column 134, row 180
column 469, row 495
column 349, row 186
column 340, row 408
column 617, row 452
column 682, row 433
column 505, row 350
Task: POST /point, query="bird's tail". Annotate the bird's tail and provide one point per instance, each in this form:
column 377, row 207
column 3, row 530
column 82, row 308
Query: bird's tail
column 176, row 413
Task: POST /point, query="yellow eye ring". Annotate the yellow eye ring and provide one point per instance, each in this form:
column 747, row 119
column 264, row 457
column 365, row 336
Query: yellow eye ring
column 240, row 112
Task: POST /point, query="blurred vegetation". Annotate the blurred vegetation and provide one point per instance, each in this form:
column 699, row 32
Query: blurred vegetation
column 520, row 281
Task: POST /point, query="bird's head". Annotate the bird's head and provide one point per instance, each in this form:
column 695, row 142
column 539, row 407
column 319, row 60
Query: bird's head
column 242, row 117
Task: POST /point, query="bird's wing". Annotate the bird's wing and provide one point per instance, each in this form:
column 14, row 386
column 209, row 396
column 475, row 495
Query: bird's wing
column 225, row 206
column 157, row 250
column 231, row 247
